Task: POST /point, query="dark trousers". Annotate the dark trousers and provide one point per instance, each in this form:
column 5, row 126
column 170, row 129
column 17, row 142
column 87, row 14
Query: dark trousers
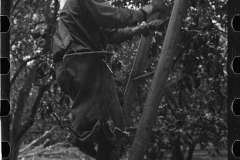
column 89, row 83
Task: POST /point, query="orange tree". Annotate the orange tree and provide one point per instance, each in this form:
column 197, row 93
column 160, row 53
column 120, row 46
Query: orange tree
column 193, row 110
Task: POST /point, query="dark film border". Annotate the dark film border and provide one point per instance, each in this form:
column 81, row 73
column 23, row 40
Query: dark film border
column 233, row 79
column 5, row 90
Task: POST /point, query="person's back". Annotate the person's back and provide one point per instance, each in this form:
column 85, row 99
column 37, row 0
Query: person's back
column 84, row 19
column 81, row 25
column 87, row 78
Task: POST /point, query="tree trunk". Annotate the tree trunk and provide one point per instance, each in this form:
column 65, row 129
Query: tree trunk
column 217, row 151
column 15, row 150
column 16, row 124
column 159, row 80
column 184, row 149
column 137, row 70
column 17, row 137
column 191, row 150
column 176, row 153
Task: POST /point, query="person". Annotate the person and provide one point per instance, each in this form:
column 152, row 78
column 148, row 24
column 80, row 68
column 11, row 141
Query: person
column 83, row 71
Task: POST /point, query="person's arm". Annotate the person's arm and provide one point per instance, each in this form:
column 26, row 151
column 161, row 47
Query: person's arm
column 109, row 16
column 117, row 36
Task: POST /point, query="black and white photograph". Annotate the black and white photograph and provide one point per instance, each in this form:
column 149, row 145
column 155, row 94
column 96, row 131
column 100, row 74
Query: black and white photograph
column 120, row 79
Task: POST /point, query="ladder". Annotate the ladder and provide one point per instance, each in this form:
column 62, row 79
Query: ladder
column 161, row 74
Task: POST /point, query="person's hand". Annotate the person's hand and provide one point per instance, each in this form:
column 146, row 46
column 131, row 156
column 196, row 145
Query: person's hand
column 141, row 29
column 146, row 28
column 153, row 7
column 155, row 25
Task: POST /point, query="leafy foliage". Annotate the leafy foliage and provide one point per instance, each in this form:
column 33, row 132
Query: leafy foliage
column 193, row 108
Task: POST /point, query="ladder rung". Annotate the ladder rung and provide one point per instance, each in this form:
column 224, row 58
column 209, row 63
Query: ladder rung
column 146, row 75
column 131, row 129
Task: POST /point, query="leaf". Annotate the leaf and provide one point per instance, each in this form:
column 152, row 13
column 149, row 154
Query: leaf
column 197, row 82
column 42, row 114
column 216, row 85
column 208, row 68
column 182, row 87
column 44, row 66
column 67, row 101
column 115, row 48
column 44, row 35
column 154, row 49
column 196, row 46
column 179, row 82
column 36, row 35
column 61, row 100
column 202, row 2
column 221, row 94
column 54, row 75
column 116, row 65
column 211, row 107
column 189, row 85
column 49, row 108
column 40, row 72
column 225, row 7
column 55, row 87
column 217, row 38
column 179, row 123
column 117, row 3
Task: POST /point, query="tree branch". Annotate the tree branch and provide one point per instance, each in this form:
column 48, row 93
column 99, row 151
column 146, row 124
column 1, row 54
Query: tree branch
column 218, row 30
column 172, row 99
column 175, row 83
column 50, row 29
column 37, row 23
column 191, row 150
column 36, row 140
column 56, row 8
column 171, row 109
column 33, row 112
column 62, row 127
column 15, row 5
column 21, row 67
column 22, row 96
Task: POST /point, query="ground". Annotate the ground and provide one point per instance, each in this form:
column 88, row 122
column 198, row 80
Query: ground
column 62, row 152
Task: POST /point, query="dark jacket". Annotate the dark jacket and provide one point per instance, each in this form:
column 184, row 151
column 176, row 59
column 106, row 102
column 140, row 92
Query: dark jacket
column 82, row 26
